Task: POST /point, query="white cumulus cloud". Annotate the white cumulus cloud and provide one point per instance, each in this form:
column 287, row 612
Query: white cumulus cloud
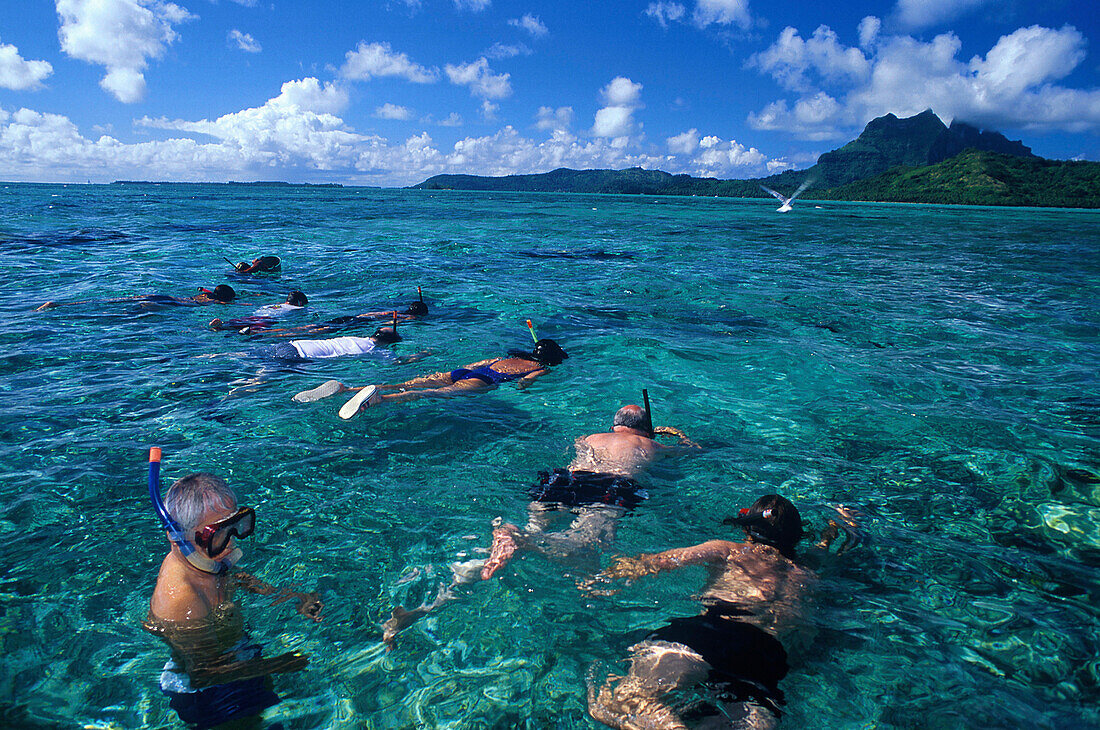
column 622, row 97
column 531, row 24
column 1013, row 86
column 684, row 144
column 120, row 35
column 791, row 59
column 481, row 80
column 393, row 111
column 724, row 159
column 550, row 118
column 18, row 74
column 244, row 41
column 371, row 60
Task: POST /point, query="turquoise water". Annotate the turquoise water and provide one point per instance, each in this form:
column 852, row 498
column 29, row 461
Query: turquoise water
column 935, row 367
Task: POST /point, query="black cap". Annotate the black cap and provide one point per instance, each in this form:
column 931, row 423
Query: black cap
column 386, row 336
column 224, row 293
column 548, row 352
column 772, row 520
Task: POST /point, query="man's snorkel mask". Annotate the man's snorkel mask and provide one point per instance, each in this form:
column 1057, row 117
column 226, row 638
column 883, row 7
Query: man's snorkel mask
column 176, row 534
column 772, row 520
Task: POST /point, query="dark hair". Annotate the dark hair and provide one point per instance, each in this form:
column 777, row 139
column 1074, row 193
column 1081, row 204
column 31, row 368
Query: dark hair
column 297, row 299
column 417, row 308
column 772, row 520
column 547, row 352
column 386, row 336
column 631, row 416
column 224, row 293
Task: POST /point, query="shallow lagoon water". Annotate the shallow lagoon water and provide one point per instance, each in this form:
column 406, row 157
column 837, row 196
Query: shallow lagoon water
column 936, row 367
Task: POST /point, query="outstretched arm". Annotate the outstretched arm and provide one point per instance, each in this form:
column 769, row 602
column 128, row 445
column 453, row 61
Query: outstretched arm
column 632, row 568
column 673, row 431
column 309, row 604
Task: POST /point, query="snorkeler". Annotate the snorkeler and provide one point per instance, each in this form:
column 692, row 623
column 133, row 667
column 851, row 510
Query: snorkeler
column 415, row 310
column 216, row 673
column 260, row 265
column 265, row 316
column 597, row 488
column 221, row 294
column 476, row 377
column 346, row 346
column 752, row 593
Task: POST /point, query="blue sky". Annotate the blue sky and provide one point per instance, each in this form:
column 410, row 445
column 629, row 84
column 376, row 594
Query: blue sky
column 391, row 92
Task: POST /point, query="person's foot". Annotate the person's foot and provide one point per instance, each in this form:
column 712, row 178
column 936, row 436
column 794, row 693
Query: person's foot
column 504, row 547
column 215, row 324
column 365, row 398
column 324, row 390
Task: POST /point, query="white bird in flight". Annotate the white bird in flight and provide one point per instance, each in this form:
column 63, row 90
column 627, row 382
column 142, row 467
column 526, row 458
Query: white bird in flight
column 784, row 199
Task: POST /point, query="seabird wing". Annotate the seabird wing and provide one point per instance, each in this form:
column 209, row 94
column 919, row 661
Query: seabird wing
column 782, row 198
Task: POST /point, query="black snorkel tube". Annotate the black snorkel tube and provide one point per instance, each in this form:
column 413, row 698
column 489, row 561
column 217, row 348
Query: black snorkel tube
column 175, row 532
column 648, row 413
column 226, row 258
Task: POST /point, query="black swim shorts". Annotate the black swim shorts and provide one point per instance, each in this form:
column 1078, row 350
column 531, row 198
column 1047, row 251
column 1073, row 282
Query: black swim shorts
column 746, row 661
column 584, row 488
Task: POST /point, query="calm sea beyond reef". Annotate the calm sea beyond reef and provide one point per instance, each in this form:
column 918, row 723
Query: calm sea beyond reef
column 934, row 368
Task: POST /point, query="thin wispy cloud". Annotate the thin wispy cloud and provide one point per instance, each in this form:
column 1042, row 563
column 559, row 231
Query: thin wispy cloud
column 244, row 41
column 531, row 24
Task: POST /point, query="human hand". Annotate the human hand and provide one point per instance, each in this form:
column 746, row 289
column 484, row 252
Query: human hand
column 44, row 307
column 629, row 568
column 310, row 605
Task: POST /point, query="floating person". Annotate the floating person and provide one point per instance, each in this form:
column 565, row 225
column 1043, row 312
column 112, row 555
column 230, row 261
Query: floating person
column 216, row 673
column 265, row 316
column 786, row 202
column 258, row 266
column 415, row 310
column 752, row 594
column 221, row 294
column 599, row 486
column 477, row 377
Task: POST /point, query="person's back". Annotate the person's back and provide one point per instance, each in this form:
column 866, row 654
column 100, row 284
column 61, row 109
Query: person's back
column 625, row 450
column 625, row 453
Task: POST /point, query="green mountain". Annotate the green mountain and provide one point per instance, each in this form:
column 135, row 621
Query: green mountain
column 916, row 159
column 981, row 178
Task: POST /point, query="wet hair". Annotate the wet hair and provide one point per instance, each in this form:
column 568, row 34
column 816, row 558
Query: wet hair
column 195, row 495
column 224, row 293
column 631, row 416
column 547, row 352
column 386, row 335
column 417, row 308
column 772, row 520
column 296, row 299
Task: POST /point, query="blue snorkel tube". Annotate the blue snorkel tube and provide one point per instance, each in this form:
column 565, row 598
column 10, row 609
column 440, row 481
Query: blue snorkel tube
column 175, row 532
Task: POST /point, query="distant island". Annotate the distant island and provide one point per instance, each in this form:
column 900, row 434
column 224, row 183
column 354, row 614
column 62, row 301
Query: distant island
column 257, row 183
column 917, row 159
